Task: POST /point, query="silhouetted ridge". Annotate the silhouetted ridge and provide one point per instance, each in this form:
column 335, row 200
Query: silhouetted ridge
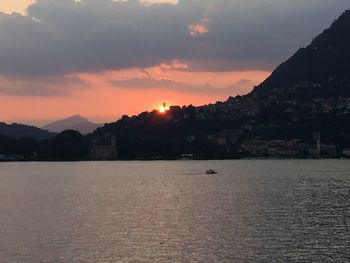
column 325, row 62
column 337, row 34
column 16, row 130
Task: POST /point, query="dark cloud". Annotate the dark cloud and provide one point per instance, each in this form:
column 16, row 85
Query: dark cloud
column 240, row 87
column 67, row 36
column 48, row 86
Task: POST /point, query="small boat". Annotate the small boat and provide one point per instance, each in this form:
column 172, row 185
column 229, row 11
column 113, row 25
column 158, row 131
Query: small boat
column 210, row 171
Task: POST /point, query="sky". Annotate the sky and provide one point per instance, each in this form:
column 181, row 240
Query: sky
column 103, row 58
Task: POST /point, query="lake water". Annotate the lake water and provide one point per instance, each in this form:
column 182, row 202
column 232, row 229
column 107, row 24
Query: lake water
column 252, row 211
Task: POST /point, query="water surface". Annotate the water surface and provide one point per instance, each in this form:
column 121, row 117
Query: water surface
column 252, row 211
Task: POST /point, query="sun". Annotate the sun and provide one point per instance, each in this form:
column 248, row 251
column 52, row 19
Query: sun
column 163, row 108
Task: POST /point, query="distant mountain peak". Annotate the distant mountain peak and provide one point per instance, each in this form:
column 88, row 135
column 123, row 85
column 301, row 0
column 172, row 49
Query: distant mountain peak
column 76, row 117
column 75, row 122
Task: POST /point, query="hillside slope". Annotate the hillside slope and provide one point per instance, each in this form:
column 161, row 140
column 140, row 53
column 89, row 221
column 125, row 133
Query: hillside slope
column 16, row 130
column 323, row 66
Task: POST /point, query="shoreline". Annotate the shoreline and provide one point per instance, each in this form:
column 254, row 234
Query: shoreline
column 168, row 160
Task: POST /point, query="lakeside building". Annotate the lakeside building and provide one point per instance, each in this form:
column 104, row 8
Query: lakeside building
column 290, row 148
column 104, row 152
column 276, row 147
column 255, row 147
column 328, row 151
column 187, row 156
column 346, row 152
column 11, row 157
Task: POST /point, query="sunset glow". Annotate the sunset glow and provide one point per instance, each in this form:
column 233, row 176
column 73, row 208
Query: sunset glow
column 15, row 6
column 163, row 108
column 68, row 59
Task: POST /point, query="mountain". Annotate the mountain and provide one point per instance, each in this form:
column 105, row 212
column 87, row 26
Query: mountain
column 323, row 66
column 76, row 122
column 309, row 94
column 16, row 131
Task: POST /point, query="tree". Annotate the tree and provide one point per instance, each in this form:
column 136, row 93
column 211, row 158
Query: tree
column 69, row 145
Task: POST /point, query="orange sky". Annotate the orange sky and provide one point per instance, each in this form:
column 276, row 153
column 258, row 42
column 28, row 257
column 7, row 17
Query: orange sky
column 9, row 6
column 101, row 102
